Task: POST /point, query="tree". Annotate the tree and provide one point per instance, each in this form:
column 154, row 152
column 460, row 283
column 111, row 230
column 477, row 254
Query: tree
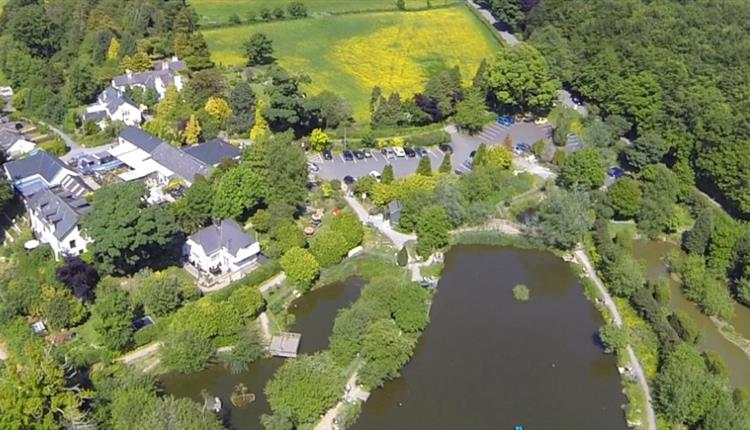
column 297, row 9
column 471, row 112
column 500, row 157
column 328, row 110
column 6, row 193
column 193, row 211
column 409, row 307
column 563, row 218
column 278, row 13
column 242, row 104
column 80, row 277
column 160, row 294
column 169, row 106
column 480, row 157
column 125, row 233
column 625, row 197
column 113, row 317
column 250, row 347
column 139, row 62
column 284, row 236
column 185, row 351
column 424, row 167
column 218, row 108
column 203, row 85
column 60, row 309
column 433, row 230
column 305, row 387
column 114, row 49
column 319, row 140
column 171, row 412
column 198, row 56
column 387, row 176
column 300, row 267
column 684, row 388
column 328, row 247
column 584, row 169
column 647, row 149
column 400, row 5
column 403, row 257
column 81, row 86
column 446, row 165
column 696, row 240
column 260, row 130
column 31, row 26
column 288, row 176
column 240, row 189
column 508, row 12
column 624, row 276
column 519, row 78
column 448, row 196
column 385, row 350
column 613, row 337
column 350, row 227
column 258, row 50
column 192, row 131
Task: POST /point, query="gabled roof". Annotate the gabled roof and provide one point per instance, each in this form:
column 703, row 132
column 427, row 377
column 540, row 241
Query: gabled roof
column 95, row 116
column 225, row 234
column 181, row 163
column 8, row 137
column 141, row 139
column 146, row 79
column 113, row 98
column 39, row 163
column 213, row 151
column 58, row 208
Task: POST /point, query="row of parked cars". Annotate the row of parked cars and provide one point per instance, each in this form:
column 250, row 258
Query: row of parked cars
column 389, row 152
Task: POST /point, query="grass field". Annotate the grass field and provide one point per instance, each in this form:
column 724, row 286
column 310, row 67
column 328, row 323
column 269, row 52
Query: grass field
column 219, row 11
column 349, row 54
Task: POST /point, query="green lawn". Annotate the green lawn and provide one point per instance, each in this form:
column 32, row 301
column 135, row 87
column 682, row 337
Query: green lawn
column 219, row 11
column 349, row 54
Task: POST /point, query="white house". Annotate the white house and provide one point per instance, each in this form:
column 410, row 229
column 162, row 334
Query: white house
column 222, row 247
column 54, row 216
column 164, row 74
column 113, row 105
column 54, row 196
column 13, row 143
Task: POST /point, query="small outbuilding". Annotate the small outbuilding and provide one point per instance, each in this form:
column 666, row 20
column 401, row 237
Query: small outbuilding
column 285, row 345
column 393, row 213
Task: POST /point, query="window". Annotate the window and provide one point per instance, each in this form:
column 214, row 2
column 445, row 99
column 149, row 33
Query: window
column 72, row 244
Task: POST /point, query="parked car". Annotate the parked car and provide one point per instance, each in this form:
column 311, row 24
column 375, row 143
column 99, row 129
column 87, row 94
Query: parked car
column 472, row 154
column 446, row 148
column 505, row 120
column 615, row 172
column 359, row 155
column 410, row 152
column 348, row 180
column 312, row 166
column 541, row 121
column 367, row 152
column 421, row 151
column 348, row 156
column 521, row 148
column 399, row 151
column 469, row 164
column 375, row 175
column 388, row 153
column 327, row 154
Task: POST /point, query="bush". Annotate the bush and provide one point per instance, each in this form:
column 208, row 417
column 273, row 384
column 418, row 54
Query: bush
column 185, row 351
column 350, row 228
column 614, row 338
column 328, row 247
column 402, row 258
column 521, row 293
column 430, row 139
column 685, row 327
column 300, row 266
column 55, row 146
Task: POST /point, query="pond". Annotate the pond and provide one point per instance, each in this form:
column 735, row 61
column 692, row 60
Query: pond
column 653, row 255
column 487, row 361
column 314, row 315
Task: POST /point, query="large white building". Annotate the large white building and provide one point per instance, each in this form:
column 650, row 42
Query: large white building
column 55, row 198
column 113, row 105
column 164, row 74
column 222, row 247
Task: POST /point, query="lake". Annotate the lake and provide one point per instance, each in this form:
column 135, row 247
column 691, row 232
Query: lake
column 486, row 361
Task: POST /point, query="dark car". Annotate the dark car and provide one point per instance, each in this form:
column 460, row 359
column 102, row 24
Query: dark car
column 348, row 156
column 615, row 172
column 421, row 151
column 446, row 148
column 359, row 155
column 521, row 148
column 505, row 121
column 410, row 152
column 472, row 154
column 327, row 154
column 348, row 180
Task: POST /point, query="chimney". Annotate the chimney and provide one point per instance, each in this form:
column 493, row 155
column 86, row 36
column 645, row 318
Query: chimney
column 128, row 73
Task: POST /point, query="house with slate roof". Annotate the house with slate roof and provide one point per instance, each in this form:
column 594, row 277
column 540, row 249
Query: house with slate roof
column 221, row 248
column 55, row 198
column 12, row 141
column 164, row 74
column 113, row 105
column 213, row 152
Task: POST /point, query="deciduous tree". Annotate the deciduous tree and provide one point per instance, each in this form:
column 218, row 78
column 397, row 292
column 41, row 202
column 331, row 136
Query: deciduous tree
column 258, row 50
column 300, row 267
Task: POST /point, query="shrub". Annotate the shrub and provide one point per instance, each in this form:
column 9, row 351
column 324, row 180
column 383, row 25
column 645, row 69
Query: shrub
column 328, row 247
column 402, row 258
column 430, row 139
column 185, row 351
column 300, row 266
column 521, row 293
column 614, row 338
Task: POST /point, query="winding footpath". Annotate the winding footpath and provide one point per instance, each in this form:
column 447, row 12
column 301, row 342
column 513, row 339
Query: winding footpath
column 583, row 259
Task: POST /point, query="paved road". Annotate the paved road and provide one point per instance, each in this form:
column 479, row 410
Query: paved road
column 583, row 259
column 508, row 37
column 398, row 239
column 462, row 144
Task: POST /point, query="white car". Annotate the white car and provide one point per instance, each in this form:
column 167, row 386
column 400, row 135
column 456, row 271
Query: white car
column 312, row 167
column 399, row 151
column 541, row 121
column 375, row 175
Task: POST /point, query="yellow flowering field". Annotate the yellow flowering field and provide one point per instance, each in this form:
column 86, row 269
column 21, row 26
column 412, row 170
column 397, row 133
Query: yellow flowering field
column 349, row 54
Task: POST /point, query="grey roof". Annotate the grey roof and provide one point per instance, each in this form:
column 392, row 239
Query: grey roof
column 95, row 116
column 141, row 139
column 181, row 163
column 225, row 234
column 38, row 163
column 146, row 79
column 172, row 64
column 8, row 137
column 213, row 151
column 59, row 208
column 114, row 98
column 394, row 206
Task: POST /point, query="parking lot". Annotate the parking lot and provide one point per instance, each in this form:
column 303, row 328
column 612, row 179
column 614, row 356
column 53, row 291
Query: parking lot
column 462, row 145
